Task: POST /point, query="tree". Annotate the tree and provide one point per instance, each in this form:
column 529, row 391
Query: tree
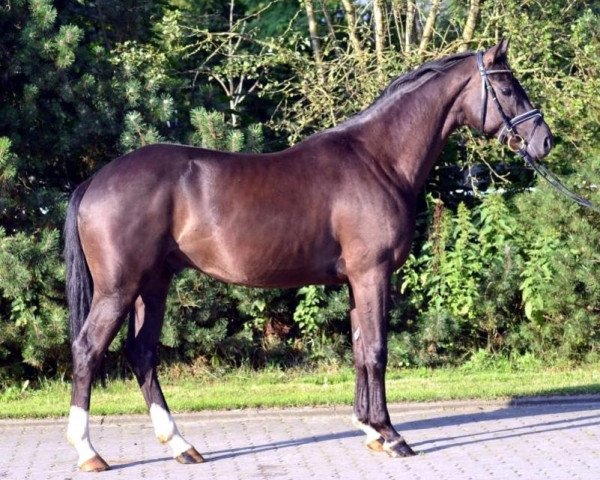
column 470, row 24
column 429, row 25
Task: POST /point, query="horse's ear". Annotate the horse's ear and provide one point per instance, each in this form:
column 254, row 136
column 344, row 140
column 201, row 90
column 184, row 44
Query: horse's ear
column 497, row 53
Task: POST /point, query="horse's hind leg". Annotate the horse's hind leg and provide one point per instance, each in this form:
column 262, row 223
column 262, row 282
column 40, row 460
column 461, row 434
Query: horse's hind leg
column 140, row 350
column 106, row 315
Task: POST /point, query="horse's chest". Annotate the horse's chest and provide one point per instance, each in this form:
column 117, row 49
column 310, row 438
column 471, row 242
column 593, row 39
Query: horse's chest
column 377, row 235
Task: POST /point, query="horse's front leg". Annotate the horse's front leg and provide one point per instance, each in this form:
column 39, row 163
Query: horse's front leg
column 370, row 293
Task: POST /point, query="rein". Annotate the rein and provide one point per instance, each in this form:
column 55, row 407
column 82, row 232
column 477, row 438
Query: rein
column 516, row 142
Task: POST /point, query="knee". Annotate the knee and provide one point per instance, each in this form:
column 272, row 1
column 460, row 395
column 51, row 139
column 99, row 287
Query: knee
column 376, row 358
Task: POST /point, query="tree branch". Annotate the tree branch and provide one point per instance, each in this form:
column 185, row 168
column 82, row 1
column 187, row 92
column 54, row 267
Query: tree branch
column 378, row 6
column 314, row 35
column 328, row 20
column 410, row 23
column 351, row 21
column 397, row 15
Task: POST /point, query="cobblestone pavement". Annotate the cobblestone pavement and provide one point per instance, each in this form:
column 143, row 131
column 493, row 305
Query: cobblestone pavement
column 495, row 440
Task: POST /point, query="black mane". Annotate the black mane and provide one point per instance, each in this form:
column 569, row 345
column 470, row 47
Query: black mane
column 421, row 74
column 408, row 82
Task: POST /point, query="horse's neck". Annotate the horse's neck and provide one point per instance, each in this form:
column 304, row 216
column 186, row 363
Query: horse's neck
column 407, row 134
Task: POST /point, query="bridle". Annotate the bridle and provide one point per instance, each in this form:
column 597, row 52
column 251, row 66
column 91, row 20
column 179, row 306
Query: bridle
column 509, row 136
column 508, row 133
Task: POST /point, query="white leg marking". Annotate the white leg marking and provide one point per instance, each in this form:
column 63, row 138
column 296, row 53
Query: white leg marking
column 78, row 434
column 372, row 434
column 166, row 431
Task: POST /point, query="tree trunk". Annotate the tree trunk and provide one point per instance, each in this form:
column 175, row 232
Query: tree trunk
column 397, row 8
column 470, row 25
column 410, row 22
column 378, row 6
column 232, row 89
column 351, row 20
column 429, row 25
column 314, row 35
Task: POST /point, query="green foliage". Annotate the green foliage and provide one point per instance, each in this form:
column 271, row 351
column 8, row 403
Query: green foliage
column 524, row 274
column 446, row 279
column 510, row 272
column 137, row 133
column 306, row 314
column 33, row 331
column 9, row 168
column 212, row 131
column 563, row 245
column 198, row 312
column 537, row 270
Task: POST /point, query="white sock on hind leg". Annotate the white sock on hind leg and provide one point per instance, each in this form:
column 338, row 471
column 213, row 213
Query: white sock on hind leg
column 78, row 434
column 166, row 431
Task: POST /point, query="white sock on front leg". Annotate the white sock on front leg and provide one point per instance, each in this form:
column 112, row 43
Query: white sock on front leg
column 371, row 433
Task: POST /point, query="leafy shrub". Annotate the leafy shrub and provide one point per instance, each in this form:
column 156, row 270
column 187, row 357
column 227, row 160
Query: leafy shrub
column 33, row 330
column 510, row 273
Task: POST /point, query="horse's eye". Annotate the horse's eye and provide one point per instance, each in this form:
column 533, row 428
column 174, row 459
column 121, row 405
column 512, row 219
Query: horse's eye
column 507, row 92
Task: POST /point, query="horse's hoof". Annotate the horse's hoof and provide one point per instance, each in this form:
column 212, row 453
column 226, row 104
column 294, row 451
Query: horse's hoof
column 375, row 445
column 190, row 456
column 398, row 449
column 94, row 464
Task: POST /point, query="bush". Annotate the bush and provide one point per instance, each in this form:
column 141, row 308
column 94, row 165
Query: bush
column 33, row 329
column 508, row 271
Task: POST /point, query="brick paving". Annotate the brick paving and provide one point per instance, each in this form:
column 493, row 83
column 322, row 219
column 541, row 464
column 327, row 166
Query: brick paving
column 493, row 440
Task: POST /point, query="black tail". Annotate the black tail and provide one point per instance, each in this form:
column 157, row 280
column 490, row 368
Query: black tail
column 79, row 281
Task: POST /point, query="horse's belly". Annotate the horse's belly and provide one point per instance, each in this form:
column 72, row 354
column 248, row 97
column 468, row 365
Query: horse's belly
column 264, row 259
column 287, row 278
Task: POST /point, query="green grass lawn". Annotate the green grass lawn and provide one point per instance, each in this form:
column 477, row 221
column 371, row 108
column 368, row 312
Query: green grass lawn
column 242, row 389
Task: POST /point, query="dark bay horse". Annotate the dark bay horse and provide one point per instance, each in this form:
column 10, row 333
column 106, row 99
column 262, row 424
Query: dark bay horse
column 337, row 208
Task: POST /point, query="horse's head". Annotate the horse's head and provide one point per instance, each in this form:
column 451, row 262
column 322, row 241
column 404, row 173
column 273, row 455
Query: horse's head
column 497, row 104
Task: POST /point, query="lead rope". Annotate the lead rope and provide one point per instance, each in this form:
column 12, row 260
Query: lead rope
column 508, row 132
column 553, row 180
